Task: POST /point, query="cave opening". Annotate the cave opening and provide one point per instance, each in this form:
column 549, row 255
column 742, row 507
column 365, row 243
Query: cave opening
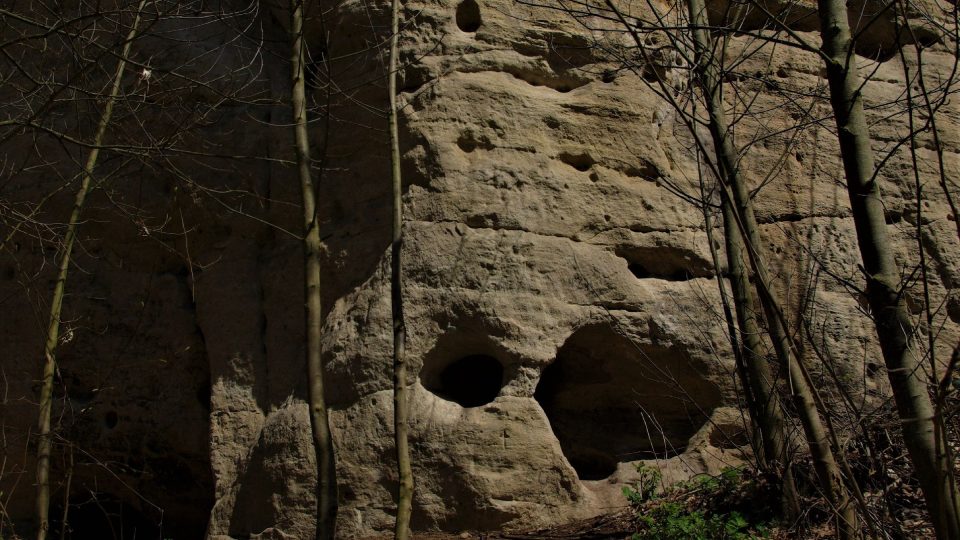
column 470, row 381
column 468, row 16
column 610, row 400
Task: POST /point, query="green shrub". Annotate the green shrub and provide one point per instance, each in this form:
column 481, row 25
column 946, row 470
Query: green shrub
column 703, row 508
column 670, row 520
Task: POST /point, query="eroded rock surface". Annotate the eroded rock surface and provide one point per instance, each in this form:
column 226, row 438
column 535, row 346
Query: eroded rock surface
column 562, row 309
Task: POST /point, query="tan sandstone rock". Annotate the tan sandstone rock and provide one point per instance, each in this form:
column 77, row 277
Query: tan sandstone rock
column 563, row 315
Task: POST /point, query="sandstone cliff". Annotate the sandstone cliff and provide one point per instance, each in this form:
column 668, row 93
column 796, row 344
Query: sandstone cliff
column 563, row 313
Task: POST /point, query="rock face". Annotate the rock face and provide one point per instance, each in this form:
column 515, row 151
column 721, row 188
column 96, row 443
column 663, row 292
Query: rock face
column 563, row 313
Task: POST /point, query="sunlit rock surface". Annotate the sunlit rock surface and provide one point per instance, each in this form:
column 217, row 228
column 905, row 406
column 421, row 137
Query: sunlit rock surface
column 562, row 308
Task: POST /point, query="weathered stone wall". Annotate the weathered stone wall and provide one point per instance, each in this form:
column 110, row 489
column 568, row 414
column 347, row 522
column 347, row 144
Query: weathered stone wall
column 562, row 308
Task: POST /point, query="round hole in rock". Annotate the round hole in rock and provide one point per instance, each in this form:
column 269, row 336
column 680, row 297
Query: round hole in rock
column 610, row 400
column 467, row 143
column 468, row 16
column 470, row 381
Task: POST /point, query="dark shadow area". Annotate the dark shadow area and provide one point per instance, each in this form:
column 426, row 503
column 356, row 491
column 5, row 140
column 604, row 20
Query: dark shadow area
column 581, row 162
column 470, row 381
column 468, row 16
column 876, row 32
column 665, row 262
column 641, row 272
column 610, row 400
column 103, row 516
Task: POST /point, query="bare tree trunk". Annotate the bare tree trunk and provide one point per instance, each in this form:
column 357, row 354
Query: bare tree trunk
column 828, row 471
column 887, row 304
column 44, row 442
column 64, row 518
column 319, row 421
column 756, row 432
column 401, row 401
column 770, row 439
column 769, row 411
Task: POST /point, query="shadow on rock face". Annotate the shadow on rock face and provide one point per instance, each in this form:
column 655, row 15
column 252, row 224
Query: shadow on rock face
column 277, row 487
column 93, row 516
column 466, row 505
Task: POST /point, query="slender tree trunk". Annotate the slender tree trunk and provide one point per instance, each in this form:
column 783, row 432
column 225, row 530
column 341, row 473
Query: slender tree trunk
column 756, row 433
column 816, row 434
column 319, row 421
column 44, row 442
column 887, row 304
column 401, row 401
column 64, row 518
column 769, row 411
column 770, row 438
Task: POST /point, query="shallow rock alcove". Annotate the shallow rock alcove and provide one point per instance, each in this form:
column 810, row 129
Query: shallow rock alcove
column 669, row 263
column 610, row 400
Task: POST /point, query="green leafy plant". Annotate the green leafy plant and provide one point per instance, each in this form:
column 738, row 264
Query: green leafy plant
column 703, row 508
column 645, row 488
column 671, row 520
column 728, row 480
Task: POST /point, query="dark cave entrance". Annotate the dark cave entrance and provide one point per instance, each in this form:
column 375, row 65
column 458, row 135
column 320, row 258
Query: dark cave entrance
column 470, row 381
column 610, row 400
column 468, row 16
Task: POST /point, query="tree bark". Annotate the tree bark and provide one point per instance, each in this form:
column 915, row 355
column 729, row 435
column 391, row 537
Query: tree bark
column 891, row 319
column 828, row 471
column 769, row 410
column 401, row 401
column 319, row 420
column 44, row 442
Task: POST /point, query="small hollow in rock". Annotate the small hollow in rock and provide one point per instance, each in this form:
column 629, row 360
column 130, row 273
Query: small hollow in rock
column 470, row 381
column 729, row 435
column 610, row 400
column 468, row 142
column 468, row 16
column 581, row 162
column 665, row 262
